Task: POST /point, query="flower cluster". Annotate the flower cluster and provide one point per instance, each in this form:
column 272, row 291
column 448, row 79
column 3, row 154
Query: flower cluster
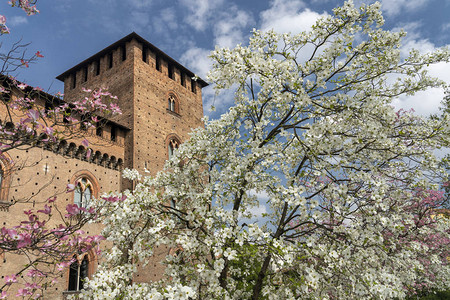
column 46, row 245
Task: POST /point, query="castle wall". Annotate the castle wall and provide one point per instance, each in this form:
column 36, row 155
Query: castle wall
column 36, row 175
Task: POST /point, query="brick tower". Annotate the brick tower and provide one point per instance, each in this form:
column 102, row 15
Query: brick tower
column 160, row 101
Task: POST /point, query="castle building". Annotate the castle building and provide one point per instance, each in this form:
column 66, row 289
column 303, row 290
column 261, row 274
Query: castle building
column 160, row 103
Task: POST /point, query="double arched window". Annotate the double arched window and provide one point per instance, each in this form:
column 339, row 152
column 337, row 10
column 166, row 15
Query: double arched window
column 83, row 192
column 172, row 103
column 86, row 187
column 172, row 146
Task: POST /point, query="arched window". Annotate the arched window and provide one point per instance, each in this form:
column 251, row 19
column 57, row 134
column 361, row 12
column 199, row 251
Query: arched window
column 78, row 272
column 172, row 147
column 172, row 103
column 83, row 192
column 5, row 177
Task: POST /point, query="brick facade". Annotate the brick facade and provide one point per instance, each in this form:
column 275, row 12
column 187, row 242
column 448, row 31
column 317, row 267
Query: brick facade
column 143, row 78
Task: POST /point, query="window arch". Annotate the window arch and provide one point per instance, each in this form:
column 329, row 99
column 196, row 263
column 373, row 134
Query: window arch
column 86, row 187
column 5, row 178
column 172, row 103
column 83, row 192
column 172, row 146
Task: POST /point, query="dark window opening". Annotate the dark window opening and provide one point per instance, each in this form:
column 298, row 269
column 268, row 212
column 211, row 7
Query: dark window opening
column 48, row 106
column 172, row 147
column 67, row 113
column 78, row 274
column 193, row 84
column 113, row 133
column 110, row 60
column 183, row 80
column 124, row 52
column 73, row 276
column 1, row 179
column 97, row 67
column 171, row 72
column 99, row 130
column 83, row 272
column 158, row 64
column 85, row 73
column 6, row 97
column 74, row 80
column 144, row 54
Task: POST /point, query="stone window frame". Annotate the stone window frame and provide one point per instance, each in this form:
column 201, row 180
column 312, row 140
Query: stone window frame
column 6, row 167
column 173, row 103
column 172, row 142
column 91, row 180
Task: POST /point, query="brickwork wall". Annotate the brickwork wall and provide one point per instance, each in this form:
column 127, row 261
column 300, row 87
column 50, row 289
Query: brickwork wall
column 153, row 121
column 37, row 175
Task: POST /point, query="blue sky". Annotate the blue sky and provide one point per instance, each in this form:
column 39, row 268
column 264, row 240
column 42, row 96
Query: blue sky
column 68, row 31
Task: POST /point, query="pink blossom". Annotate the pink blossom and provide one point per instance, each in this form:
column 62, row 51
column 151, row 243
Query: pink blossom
column 3, row 295
column 47, row 210
column 24, row 241
column 22, row 86
column 10, row 279
column 85, row 143
column 33, row 114
column 49, row 131
column 72, row 210
column 70, row 187
column 23, row 292
column 114, row 198
column 24, row 63
column 35, row 273
column 115, row 108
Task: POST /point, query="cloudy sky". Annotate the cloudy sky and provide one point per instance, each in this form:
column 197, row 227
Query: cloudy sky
column 68, row 31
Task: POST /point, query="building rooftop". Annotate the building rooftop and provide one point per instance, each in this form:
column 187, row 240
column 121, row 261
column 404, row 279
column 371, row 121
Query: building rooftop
column 119, row 43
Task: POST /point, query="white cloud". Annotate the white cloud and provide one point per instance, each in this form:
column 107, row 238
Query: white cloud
column 426, row 102
column 17, row 20
column 165, row 22
column 258, row 210
column 169, row 18
column 395, row 7
column 445, row 27
column 288, row 16
column 228, row 30
column 201, row 12
column 196, row 60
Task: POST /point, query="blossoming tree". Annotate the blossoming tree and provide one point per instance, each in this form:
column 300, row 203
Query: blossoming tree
column 346, row 180
column 45, row 238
